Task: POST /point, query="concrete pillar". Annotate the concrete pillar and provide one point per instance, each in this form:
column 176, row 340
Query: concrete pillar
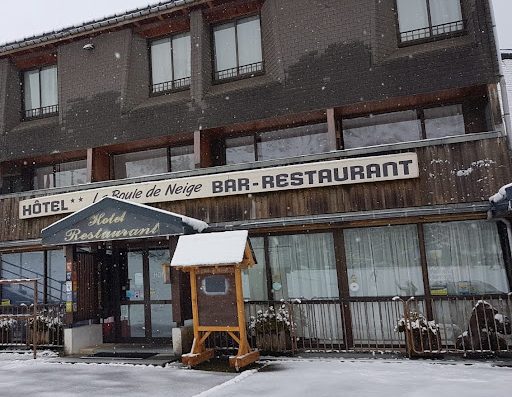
column 78, row 338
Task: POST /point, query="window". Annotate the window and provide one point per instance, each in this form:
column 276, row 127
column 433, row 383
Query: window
column 59, row 175
column 40, row 92
column 303, row 266
column 154, row 161
column 289, row 142
column 216, row 284
column 381, row 129
column 404, row 126
column 422, row 19
column 170, row 63
column 465, row 258
column 49, row 265
column 238, row 50
column 384, row 261
column 254, row 279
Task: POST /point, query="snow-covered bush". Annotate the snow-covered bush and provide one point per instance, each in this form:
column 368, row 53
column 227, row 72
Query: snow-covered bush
column 271, row 320
column 421, row 334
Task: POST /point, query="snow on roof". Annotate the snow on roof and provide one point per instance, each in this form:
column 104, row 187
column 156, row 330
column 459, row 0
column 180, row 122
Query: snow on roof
column 222, row 248
column 501, row 195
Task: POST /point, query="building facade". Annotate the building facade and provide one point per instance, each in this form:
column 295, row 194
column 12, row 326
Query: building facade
column 357, row 141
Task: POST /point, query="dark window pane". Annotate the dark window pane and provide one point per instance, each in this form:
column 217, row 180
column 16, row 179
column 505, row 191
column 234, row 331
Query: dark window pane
column 182, row 158
column 240, row 150
column 381, row 129
column 215, row 285
column 291, row 142
column 444, row 121
column 147, row 162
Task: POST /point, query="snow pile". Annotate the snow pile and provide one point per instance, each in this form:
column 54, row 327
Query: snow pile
column 501, row 195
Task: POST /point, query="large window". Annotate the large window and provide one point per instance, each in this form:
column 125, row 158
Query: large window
column 40, row 92
column 465, row 258
column 238, row 49
column 170, row 63
column 303, row 266
column 409, row 125
column 49, row 266
column 422, row 19
column 58, row 175
column 254, row 279
column 383, row 261
column 289, row 142
column 154, row 161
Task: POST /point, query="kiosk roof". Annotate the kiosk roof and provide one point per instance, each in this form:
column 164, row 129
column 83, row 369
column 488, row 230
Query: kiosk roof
column 210, row 249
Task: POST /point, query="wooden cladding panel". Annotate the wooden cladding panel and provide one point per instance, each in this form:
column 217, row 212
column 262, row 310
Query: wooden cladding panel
column 449, row 174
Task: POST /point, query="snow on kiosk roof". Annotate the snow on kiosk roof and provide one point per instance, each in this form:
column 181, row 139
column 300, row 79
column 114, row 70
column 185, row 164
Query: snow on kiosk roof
column 213, row 249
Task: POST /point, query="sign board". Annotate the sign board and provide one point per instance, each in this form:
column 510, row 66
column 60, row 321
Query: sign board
column 301, row 176
column 111, row 219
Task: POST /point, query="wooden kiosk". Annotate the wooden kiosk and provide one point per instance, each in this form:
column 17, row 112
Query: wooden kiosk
column 215, row 262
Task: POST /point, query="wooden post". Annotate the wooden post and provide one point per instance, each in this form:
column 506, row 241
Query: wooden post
column 34, row 328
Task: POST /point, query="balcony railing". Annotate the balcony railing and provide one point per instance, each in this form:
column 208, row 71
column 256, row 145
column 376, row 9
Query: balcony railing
column 240, row 71
column 169, row 86
column 432, row 31
column 46, row 111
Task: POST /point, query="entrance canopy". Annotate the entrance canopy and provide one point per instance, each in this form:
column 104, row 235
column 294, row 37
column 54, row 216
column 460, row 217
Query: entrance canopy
column 114, row 219
column 501, row 203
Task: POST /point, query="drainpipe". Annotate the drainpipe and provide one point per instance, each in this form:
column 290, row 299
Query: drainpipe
column 503, row 84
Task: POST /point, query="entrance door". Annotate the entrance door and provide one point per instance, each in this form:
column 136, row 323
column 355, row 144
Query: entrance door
column 146, row 306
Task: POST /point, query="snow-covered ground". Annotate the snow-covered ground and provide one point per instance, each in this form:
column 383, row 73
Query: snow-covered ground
column 19, row 375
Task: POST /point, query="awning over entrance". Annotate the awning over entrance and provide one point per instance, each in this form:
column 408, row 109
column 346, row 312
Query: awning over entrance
column 501, row 203
column 114, row 219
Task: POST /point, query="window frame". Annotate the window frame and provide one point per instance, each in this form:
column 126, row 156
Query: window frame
column 25, row 116
column 238, row 76
column 431, row 37
column 174, row 88
column 168, row 151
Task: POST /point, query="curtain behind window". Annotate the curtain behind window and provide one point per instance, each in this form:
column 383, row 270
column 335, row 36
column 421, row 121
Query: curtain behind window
column 49, row 94
column 445, row 11
column 465, row 258
column 249, row 41
column 161, row 65
column 384, row 261
column 31, row 90
column 254, row 279
column 181, row 56
column 303, row 266
column 412, row 14
column 225, row 47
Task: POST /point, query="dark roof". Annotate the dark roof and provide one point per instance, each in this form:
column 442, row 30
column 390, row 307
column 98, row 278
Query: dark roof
column 103, row 23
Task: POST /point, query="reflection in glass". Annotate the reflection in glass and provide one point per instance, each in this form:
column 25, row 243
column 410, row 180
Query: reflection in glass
column 290, row 142
column 182, row 158
column 161, row 321
column 254, row 279
column 444, row 121
column 158, row 290
column 240, row 150
column 132, row 321
column 135, row 288
column 56, row 276
column 148, row 162
column 23, row 265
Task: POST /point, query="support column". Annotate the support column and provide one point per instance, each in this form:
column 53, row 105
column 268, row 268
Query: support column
column 98, row 165
column 202, row 150
column 201, row 55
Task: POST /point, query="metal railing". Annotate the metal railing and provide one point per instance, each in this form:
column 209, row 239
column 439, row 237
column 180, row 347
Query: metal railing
column 240, row 71
column 174, row 85
column 441, row 324
column 15, row 330
column 431, row 31
column 45, row 111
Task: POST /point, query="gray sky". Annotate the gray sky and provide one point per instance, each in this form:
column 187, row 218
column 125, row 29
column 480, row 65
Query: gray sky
column 23, row 18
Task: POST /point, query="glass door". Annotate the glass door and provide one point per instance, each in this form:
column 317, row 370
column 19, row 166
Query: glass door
column 146, row 306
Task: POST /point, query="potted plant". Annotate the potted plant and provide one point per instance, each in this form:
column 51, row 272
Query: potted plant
column 272, row 328
column 7, row 329
column 48, row 327
column 422, row 336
